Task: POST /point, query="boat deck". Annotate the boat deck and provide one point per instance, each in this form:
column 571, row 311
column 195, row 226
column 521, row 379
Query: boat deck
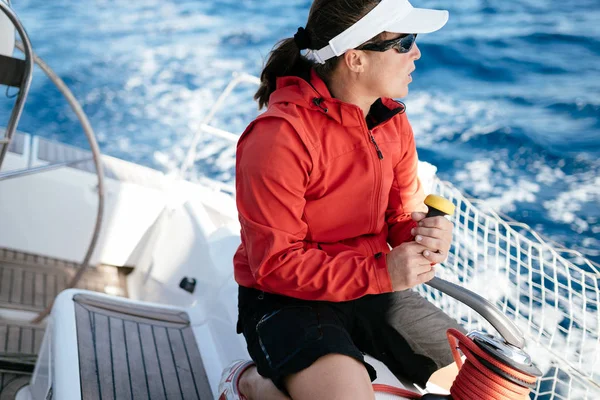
column 131, row 352
column 19, row 341
column 29, row 283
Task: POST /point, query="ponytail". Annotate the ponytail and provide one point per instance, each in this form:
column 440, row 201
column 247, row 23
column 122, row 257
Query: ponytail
column 284, row 60
column 326, row 19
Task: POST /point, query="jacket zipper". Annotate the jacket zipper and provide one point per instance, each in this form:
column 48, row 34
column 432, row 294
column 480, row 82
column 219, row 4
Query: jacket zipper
column 378, row 181
column 375, row 207
column 379, row 153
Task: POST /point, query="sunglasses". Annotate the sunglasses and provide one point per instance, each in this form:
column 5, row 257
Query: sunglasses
column 403, row 44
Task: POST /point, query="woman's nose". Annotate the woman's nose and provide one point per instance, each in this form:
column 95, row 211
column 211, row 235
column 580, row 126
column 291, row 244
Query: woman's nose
column 416, row 53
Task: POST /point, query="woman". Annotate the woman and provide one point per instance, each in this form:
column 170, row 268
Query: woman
column 326, row 183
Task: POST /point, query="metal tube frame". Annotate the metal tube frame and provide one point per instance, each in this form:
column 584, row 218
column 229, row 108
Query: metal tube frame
column 42, row 168
column 30, row 58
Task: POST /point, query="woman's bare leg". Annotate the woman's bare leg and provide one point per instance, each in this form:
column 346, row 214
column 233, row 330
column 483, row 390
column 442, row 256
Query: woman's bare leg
column 255, row 387
column 332, row 377
column 444, row 377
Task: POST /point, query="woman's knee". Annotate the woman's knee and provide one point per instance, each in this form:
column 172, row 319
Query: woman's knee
column 333, row 376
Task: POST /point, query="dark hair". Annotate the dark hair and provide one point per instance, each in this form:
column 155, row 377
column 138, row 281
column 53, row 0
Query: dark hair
column 326, row 19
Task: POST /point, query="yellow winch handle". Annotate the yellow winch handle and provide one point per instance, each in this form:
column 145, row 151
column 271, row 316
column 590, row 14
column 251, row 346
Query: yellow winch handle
column 438, row 206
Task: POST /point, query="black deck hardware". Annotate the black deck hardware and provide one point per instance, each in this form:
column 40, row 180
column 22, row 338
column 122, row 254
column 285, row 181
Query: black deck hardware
column 188, row 284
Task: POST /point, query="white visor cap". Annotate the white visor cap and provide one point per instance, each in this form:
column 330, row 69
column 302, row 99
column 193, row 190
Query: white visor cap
column 396, row 16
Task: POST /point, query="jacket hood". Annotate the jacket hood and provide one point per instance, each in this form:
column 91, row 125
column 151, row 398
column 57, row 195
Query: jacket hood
column 314, row 95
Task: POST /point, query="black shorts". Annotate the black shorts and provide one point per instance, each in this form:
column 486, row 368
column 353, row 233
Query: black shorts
column 402, row 329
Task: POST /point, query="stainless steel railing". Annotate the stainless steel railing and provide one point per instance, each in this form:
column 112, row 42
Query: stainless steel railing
column 188, row 161
column 30, row 58
column 12, row 174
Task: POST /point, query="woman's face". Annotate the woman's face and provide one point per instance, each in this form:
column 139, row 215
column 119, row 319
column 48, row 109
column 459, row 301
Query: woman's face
column 389, row 72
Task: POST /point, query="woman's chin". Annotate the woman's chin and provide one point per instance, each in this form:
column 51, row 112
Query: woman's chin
column 401, row 93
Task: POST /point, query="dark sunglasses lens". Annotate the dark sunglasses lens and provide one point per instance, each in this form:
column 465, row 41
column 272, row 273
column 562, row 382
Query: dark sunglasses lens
column 406, row 43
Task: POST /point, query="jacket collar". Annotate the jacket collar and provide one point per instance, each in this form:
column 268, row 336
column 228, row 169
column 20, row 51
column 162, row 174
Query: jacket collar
column 312, row 93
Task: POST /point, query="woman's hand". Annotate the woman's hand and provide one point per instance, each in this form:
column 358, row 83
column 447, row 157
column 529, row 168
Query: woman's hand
column 435, row 234
column 408, row 267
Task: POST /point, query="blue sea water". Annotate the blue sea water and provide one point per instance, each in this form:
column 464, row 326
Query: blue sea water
column 505, row 99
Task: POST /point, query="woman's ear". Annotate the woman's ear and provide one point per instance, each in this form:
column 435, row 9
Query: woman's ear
column 355, row 60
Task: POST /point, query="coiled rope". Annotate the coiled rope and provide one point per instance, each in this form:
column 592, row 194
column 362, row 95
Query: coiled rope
column 476, row 380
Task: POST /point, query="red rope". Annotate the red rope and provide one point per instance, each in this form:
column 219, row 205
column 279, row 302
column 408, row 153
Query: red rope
column 474, row 381
column 396, row 391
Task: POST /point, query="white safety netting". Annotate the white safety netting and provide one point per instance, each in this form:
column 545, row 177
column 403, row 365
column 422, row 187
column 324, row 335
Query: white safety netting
column 551, row 293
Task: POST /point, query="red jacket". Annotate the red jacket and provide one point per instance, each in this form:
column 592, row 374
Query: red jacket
column 320, row 194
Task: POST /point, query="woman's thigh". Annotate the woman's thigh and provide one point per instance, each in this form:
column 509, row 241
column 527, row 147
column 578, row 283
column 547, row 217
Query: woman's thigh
column 406, row 332
column 285, row 335
column 331, row 377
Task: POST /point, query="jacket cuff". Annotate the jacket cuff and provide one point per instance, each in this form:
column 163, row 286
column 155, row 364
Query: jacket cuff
column 382, row 274
column 400, row 232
